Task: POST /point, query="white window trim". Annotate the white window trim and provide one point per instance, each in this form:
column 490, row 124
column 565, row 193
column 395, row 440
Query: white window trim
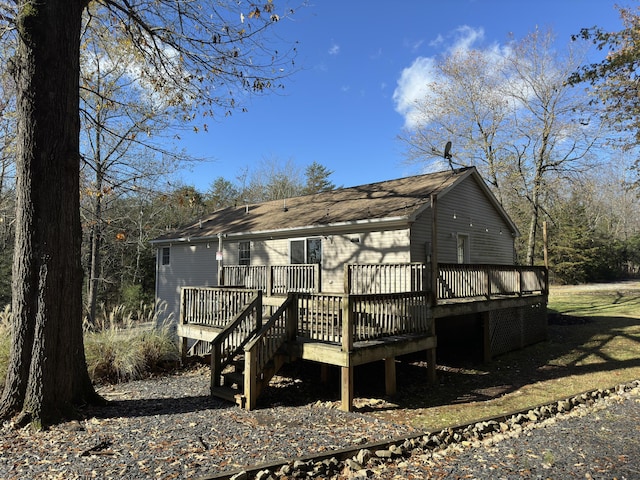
column 466, row 254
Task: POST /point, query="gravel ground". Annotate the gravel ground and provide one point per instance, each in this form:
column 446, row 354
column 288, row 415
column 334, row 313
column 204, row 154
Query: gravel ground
column 601, row 441
column 169, row 427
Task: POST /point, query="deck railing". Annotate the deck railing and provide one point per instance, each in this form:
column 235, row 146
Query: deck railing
column 237, row 333
column 332, row 318
column 248, row 276
column 369, row 285
column 212, row 306
column 262, row 349
column 457, row 281
column 275, row 279
column 386, row 315
column 387, row 278
column 320, row 317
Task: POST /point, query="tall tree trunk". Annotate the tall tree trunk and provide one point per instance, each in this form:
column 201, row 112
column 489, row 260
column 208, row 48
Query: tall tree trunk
column 535, row 215
column 95, row 259
column 47, row 374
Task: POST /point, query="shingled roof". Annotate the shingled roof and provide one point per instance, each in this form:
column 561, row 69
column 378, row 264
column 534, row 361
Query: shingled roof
column 397, row 200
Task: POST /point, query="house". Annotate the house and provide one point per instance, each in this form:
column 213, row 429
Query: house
column 386, row 222
column 347, row 277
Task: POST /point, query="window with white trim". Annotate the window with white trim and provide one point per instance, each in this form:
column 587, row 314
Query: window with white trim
column 463, row 248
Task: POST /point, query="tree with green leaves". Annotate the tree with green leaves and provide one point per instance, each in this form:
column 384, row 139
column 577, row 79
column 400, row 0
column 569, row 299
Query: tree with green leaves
column 317, row 179
column 575, row 247
column 205, row 54
column 222, row 193
column 616, row 78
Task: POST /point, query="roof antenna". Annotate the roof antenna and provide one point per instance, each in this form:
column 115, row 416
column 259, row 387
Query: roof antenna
column 448, row 156
column 284, row 205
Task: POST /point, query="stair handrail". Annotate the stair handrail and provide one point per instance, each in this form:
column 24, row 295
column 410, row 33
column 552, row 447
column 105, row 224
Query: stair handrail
column 234, row 337
column 278, row 330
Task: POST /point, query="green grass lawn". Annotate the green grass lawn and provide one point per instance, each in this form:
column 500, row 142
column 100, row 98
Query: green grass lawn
column 594, row 343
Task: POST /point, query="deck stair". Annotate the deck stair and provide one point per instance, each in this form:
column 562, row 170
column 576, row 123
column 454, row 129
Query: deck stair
column 246, row 355
column 232, row 379
column 230, row 385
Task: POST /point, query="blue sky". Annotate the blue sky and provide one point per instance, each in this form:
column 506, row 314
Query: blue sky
column 343, row 107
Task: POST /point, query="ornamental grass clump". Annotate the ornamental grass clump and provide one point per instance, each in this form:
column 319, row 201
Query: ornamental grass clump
column 123, row 346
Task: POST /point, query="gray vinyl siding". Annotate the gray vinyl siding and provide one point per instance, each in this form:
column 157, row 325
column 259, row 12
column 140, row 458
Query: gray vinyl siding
column 192, row 265
column 467, row 210
column 421, row 238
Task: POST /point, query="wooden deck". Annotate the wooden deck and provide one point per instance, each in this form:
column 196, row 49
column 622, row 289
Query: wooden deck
column 368, row 323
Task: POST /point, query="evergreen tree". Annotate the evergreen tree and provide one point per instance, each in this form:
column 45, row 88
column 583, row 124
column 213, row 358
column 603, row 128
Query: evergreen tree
column 317, row 179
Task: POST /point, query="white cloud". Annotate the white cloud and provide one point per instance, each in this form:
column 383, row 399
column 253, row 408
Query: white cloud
column 414, row 81
column 412, row 86
column 465, row 38
column 334, row 49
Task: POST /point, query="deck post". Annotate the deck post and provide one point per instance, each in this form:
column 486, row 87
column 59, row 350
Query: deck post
column 434, row 249
column 316, row 278
column 347, row 280
column 184, row 345
column 431, row 354
column 346, row 388
column 390, row 376
column 250, row 380
column 292, row 318
column 259, row 310
column 216, row 362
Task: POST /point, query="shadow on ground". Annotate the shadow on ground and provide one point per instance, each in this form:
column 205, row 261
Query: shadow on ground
column 575, row 346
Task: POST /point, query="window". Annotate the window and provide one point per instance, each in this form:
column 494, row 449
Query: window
column 244, row 253
column 463, row 248
column 308, row 250
column 166, row 255
column 297, row 251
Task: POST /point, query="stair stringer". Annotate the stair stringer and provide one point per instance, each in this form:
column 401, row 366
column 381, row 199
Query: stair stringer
column 266, row 353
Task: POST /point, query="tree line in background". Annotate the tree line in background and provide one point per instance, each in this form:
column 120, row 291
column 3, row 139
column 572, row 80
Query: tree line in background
column 118, row 223
column 588, row 203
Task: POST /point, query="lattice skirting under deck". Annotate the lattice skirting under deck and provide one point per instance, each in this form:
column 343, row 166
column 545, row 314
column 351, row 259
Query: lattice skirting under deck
column 514, row 328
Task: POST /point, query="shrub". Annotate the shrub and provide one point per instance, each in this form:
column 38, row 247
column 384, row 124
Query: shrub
column 124, row 349
column 117, row 348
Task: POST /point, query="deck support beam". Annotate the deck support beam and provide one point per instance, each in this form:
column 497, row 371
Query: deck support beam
column 431, row 365
column 390, row 376
column 347, row 389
